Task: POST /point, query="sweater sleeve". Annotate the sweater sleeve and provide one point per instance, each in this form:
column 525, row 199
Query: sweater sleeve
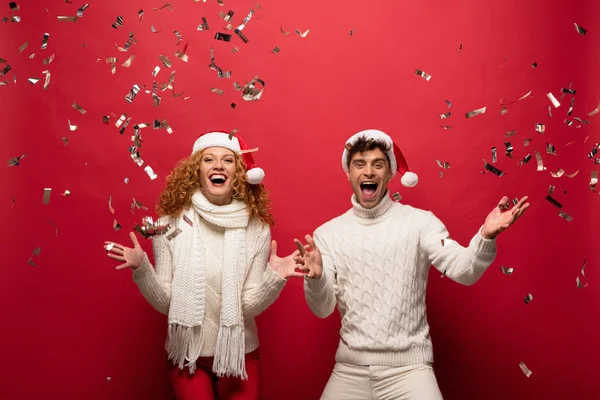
column 155, row 285
column 263, row 284
column 320, row 293
column 464, row 265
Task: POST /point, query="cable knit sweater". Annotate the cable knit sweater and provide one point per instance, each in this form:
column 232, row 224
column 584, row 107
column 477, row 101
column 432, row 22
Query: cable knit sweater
column 260, row 289
column 376, row 263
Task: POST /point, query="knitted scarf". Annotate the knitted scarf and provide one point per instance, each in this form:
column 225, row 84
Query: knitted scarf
column 186, row 312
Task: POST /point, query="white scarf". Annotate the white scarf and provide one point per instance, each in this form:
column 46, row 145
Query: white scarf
column 186, row 311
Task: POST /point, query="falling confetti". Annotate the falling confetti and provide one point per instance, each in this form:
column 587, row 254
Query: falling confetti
column 506, row 271
column 581, row 280
column 64, row 18
column 566, row 216
column 187, row 220
column 423, row 74
column 397, row 197
column 448, row 103
column 591, row 113
column 150, row 228
column 23, row 46
column 15, row 162
column 494, row 155
column 540, row 162
column 474, row 113
column 492, row 169
column 553, row 201
column 276, row 50
column 217, row 91
column 79, row 108
column 47, row 192
column 132, row 93
column 150, row 172
column 35, row 253
column 45, row 41
column 509, row 149
column 118, row 22
column 528, row 298
column 137, row 205
column 223, row 36
column 446, row 115
column 251, row 92
column 525, row 370
column 67, row 193
column 593, row 181
column 302, row 34
column 582, row 31
column 553, row 100
column 128, row 62
column 116, row 225
column 444, row 165
column 534, row 65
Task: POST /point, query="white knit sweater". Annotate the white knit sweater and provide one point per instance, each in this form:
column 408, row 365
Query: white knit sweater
column 260, row 289
column 376, row 263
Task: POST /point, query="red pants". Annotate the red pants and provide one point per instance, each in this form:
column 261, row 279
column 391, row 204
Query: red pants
column 205, row 385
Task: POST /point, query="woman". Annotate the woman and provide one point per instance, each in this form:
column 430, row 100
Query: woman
column 212, row 278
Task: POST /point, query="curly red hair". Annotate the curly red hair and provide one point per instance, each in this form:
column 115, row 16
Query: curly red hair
column 184, row 180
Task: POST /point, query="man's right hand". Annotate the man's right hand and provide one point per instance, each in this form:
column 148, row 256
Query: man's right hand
column 309, row 261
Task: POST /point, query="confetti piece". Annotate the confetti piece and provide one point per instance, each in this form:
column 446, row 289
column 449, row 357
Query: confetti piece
column 593, row 181
column 540, row 162
column 79, row 108
column 118, row 22
column 582, row 31
column 233, row 105
column 217, row 91
column 45, row 41
column 223, row 36
column 566, row 216
column 182, row 56
column 81, row 10
column 203, row 26
column 67, row 193
column 244, row 22
column 136, row 205
column 583, row 280
column 442, row 164
column 492, row 169
column 444, row 116
column 47, row 192
column 173, row 234
column 108, row 378
column 233, row 132
column 23, row 46
column 150, row 228
column 71, row 126
column 110, row 207
column 13, row 201
column 155, row 71
column 526, row 142
column 525, row 160
column 460, row 47
column 120, row 120
column 150, row 172
column 276, row 50
column 550, row 111
column 553, row 201
column 128, row 62
column 511, row 133
column 446, row 127
column 397, row 197
column 494, row 155
column 13, row 6
column 227, row 17
column 594, row 111
column 65, row 140
column 474, row 113
column 166, row 62
column 528, row 298
column 35, row 253
column 525, row 370
column 33, row 81
column 15, row 162
column 287, row 33
column 423, row 74
column 140, row 15
column 166, row 5
column 550, row 149
column 132, row 93
column 509, row 149
column 116, row 225
column 165, row 125
column 448, row 103
column 553, row 100
column 506, row 271
column 48, row 60
column 302, row 34
column 64, row 18
column 534, row 65
column 541, row 128
column 503, row 110
column 251, row 92
column 178, row 34
column 189, row 221
column 55, row 227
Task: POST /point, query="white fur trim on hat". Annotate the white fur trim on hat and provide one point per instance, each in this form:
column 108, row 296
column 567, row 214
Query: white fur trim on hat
column 216, row 139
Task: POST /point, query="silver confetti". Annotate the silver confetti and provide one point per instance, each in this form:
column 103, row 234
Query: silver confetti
column 506, row 271
column 150, row 172
column 581, row 30
column 494, row 155
column 582, row 281
column 525, row 370
column 593, row 181
column 541, row 128
column 474, row 113
column 444, row 116
column 423, row 74
column 132, row 93
column 45, row 41
column 47, row 192
column 528, row 298
column 553, row 100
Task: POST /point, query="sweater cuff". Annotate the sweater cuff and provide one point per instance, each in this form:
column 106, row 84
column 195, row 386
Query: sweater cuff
column 272, row 278
column 143, row 271
column 484, row 245
column 316, row 284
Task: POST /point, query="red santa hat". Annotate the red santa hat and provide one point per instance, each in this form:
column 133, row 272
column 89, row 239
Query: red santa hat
column 254, row 174
column 397, row 161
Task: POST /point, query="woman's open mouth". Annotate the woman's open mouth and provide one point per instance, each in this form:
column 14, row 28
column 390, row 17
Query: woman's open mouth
column 217, row 179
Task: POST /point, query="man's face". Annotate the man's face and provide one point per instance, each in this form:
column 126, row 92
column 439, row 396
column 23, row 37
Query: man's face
column 369, row 174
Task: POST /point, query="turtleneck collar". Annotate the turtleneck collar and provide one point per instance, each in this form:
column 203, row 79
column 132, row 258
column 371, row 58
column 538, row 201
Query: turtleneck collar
column 372, row 213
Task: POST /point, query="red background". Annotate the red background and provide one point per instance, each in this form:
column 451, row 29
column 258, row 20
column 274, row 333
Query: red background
column 73, row 321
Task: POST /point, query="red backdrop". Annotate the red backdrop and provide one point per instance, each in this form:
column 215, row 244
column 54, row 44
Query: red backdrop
column 74, row 327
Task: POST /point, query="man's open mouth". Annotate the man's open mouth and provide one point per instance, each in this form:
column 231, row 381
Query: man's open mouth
column 217, row 179
column 368, row 188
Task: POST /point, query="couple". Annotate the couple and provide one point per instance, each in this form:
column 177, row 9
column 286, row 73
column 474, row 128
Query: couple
column 222, row 270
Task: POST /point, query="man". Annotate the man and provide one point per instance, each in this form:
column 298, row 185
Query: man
column 373, row 261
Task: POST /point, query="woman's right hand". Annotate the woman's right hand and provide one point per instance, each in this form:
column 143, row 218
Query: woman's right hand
column 132, row 257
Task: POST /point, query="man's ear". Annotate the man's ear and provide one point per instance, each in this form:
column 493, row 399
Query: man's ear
column 348, row 175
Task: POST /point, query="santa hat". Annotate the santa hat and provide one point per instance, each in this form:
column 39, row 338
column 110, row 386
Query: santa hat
column 397, row 161
column 254, row 174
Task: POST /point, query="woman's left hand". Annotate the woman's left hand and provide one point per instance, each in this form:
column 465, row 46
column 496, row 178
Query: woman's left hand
column 285, row 267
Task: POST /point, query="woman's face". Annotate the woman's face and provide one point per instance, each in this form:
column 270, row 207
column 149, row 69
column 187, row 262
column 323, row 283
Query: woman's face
column 217, row 172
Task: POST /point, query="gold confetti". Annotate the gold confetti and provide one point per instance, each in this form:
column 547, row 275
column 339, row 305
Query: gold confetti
column 525, row 160
column 13, row 6
column 525, row 370
column 110, row 207
column 474, row 113
column 65, row 140
column 553, row 100
column 167, row 5
column 506, row 271
column 423, row 74
column 566, row 216
column 45, row 41
column 582, row 31
column 494, row 155
column 67, row 193
column 128, row 62
column 15, row 162
column 35, row 253
column 150, row 228
column 71, row 126
column 540, row 162
column 79, row 108
column 302, row 34
column 81, row 10
column 136, row 205
column 47, row 192
column 165, row 125
column 460, row 47
column 509, row 149
column 129, row 97
column 528, row 298
column 511, row 133
column 550, row 149
column 178, row 34
column 283, row 32
column 140, row 15
column 63, row 18
column 204, row 25
column 541, row 128
column 155, row 71
column 448, row 103
column 182, row 56
column 48, row 60
column 23, row 46
column 442, row 164
column 251, row 92
column 553, row 201
column 582, row 281
column 571, row 106
column 33, row 81
column 166, row 62
column 446, row 127
column 150, row 172
column 276, row 50
column 217, row 91
column 13, row 201
column 173, row 234
column 223, row 37
column 126, row 180
column 526, row 142
column 116, row 225
column 397, row 197
column 593, row 181
column 121, row 120
column 233, row 132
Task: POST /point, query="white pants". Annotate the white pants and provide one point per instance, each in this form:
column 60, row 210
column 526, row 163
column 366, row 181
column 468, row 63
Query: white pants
column 354, row 382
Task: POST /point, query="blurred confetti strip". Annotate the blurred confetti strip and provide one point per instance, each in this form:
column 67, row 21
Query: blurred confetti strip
column 541, row 128
column 33, row 81
column 446, row 115
column 397, row 197
column 150, row 172
column 165, row 125
column 534, row 65
column 79, row 108
column 118, row 22
column 492, row 169
column 217, row 91
column 511, row 133
column 287, row 33
column 153, row 29
column 35, row 253
column 82, row 9
column 13, row 201
column 509, row 149
column 110, row 207
column 553, row 100
column 442, row 164
column 251, row 92
column 474, row 113
column 173, row 234
column 275, row 50
column 581, row 30
column 23, row 46
column 149, row 228
column 448, row 103
column 47, row 192
column 506, row 271
column 240, row 28
column 132, row 93
column 525, row 370
column 55, row 227
column 550, row 149
column 155, row 71
column 71, row 126
column 571, row 106
column 64, row 18
column 67, row 193
column 126, row 180
column 550, row 111
column 45, row 41
column 540, row 162
column 494, row 155
column 203, row 26
column 593, row 181
column 121, row 120
column 48, row 60
column 594, row 111
column 566, row 216
column 166, row 62
column 446, row 127
column 166, row 5
column 582, row 280
column 423, row 74
column 526, row 142
column 128, row 62
column 553, row 201
column 136, row 205
column 227, row 17
column 302, row 34
column 65, row 140
column 215, row 68
column 178, row 34
column 116, row 225
column 15, row 162
column 528, row 298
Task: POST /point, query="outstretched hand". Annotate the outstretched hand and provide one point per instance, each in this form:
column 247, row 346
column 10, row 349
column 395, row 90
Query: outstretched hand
column 285, row 267
column 498, row 220
column 131, row 256
column 309, row 260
